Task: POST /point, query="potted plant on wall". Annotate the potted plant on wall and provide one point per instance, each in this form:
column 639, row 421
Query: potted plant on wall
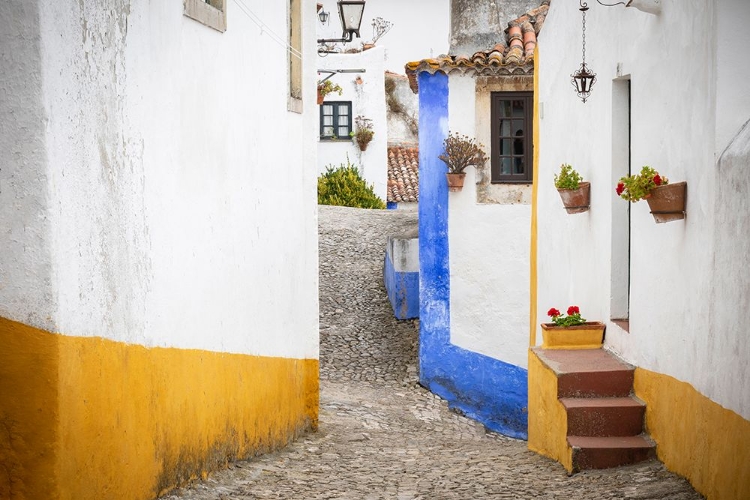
column 575, row 193
column 666, row 201
column 571, row 331
column 460, row 152
column 326, row 87
column 362, row 132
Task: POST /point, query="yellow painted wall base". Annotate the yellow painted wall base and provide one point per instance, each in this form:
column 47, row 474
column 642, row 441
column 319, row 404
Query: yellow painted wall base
column 88, row 418
column 695, row 437
column 548, row 422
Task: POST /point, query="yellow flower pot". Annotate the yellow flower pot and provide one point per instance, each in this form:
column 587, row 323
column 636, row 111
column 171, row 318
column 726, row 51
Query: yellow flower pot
column 586, row 336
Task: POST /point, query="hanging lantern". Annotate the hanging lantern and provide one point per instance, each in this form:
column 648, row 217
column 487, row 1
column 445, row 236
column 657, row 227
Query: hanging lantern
column 583, row 80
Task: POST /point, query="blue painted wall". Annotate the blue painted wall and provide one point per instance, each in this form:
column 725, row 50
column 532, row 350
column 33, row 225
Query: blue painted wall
column 402, row 288
column 486, row 389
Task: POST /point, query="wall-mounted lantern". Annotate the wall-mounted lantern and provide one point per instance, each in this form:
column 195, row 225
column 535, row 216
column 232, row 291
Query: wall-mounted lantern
column 350, row 13
column 583, row 79
column 323, row 16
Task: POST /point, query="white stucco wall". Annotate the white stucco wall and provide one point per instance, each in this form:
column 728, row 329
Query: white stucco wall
column 680, row 120
column 421, row 29
column 368, row 100
column 178, row 191
column 489, row 253
column 25, row 265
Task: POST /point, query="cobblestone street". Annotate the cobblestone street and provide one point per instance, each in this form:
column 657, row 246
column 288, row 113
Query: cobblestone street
column 381, row 435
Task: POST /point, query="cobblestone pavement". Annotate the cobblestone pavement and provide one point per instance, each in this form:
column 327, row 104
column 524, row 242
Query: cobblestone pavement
column 381, row 435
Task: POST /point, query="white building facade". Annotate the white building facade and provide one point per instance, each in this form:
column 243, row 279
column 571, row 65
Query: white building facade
column 669, row 94
column 158, row 286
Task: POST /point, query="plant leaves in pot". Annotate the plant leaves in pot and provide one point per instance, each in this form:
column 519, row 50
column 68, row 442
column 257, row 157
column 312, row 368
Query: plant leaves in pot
column 459, row 152
column 574, row 192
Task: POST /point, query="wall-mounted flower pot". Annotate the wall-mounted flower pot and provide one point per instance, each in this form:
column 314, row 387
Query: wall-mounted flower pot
column 455, row 181
column 576, row 200
column 589, row 335
column 667, row 203
column 321, row 97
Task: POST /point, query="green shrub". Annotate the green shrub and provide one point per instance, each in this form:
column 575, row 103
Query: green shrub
column 344, row 187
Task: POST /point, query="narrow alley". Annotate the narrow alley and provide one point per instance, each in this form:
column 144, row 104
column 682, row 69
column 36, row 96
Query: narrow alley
column 381, row 435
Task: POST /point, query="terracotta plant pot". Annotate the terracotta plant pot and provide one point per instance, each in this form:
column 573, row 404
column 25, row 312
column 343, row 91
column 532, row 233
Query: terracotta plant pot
column 576, row 200
column 321, row 97
column 586, row 336
column 667, row 203
column 455, row 181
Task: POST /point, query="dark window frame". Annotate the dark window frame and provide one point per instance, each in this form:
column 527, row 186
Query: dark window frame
column 336, row 125
column 526, row 144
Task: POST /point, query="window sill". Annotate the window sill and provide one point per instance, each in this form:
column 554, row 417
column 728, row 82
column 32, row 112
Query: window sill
column 333, row 140
column 206, row 14
column 622, row 323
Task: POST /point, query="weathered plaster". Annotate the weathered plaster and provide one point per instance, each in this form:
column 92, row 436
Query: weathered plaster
column 478, row 26
column 144, row 211
column 26, row 291
column 487, row 192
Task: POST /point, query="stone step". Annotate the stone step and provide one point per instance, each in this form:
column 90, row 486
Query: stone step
column 605, row 452
column 604, row 417
column 588, row 373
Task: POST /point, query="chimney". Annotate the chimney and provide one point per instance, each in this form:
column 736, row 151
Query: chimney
column 480, row 24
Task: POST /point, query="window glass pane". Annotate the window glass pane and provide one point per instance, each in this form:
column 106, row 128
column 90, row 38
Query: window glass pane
column 327, row 120
column 505, row 147
column 518, row 166
column 505, row 166
column 343, row 109
column 517, row 128
column 518, row 145
column 518, row 107
column 327, row 109
column 343, row 120
column 505, row 128
column 504, row 108
column 343, row 132
column 327, row 131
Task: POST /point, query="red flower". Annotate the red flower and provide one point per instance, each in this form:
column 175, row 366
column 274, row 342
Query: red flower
column 573, row 310
column 620, row 188
column 553, row 312
column 657, row 180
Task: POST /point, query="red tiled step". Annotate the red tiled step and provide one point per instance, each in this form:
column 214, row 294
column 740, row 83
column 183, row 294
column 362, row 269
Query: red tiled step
column 604, row 416
column 605, row 452
column 588, row 373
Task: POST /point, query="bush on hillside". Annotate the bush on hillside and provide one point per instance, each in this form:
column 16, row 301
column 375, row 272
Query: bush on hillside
column 344, row 187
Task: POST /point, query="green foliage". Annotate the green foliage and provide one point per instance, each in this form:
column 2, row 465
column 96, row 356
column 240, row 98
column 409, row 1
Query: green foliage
column 327, row 87
column 572, row 319
column 344, row 187
column 461, row 152
column 638, row 187
column 568, row 178
column 362, row 132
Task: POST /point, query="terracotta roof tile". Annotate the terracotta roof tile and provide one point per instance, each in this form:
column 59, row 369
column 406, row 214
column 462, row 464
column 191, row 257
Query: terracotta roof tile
column 403, row 174
column 513, row 56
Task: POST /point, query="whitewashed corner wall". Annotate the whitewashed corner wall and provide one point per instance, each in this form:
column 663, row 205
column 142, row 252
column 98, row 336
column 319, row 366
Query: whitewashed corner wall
column 173, row 190
column 687, row 103
column 489, row 253
column 368, row 100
